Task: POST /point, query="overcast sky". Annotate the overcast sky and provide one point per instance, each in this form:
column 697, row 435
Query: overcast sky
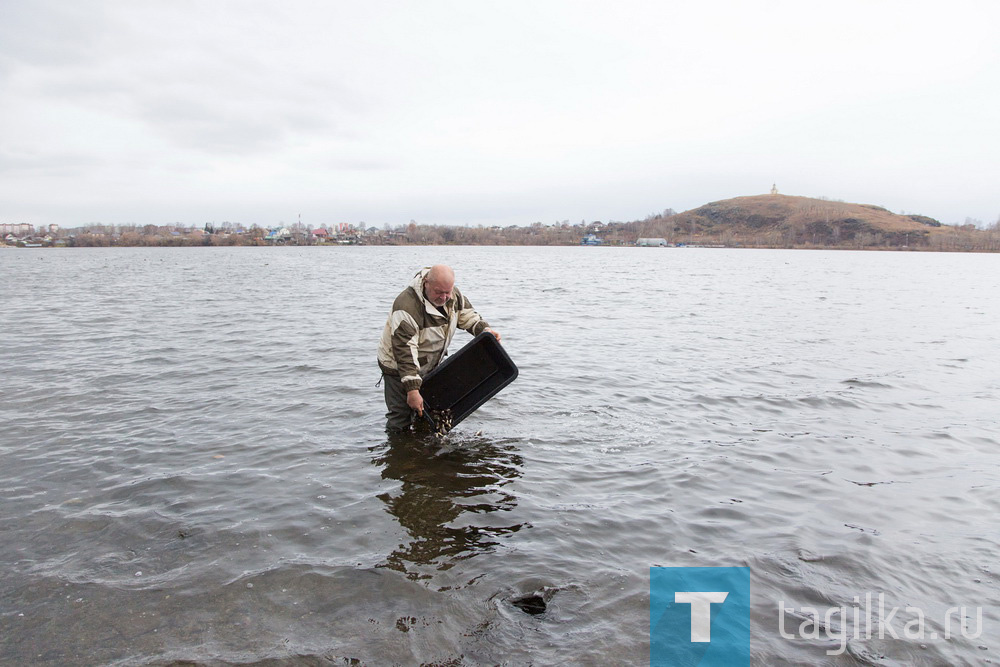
column 476, row 112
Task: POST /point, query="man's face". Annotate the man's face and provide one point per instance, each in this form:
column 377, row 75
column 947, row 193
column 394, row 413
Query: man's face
column 438, row 292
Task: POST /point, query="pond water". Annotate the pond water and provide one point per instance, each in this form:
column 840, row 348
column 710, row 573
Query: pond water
column 193, row 465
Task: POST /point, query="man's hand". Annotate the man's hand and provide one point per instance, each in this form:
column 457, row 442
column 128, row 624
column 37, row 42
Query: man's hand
column 415, row 401
column 496, row 334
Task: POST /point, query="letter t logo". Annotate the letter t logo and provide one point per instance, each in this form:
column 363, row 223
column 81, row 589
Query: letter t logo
column 701, row 611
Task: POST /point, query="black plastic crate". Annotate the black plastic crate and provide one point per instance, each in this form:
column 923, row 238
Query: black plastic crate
column 467, row 379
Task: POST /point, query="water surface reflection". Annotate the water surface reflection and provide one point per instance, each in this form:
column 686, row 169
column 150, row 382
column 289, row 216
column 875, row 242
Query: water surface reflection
column 450, row 498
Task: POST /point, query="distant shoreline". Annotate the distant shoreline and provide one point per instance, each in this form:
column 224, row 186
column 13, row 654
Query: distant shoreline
column 695, row 246
column 758, row 221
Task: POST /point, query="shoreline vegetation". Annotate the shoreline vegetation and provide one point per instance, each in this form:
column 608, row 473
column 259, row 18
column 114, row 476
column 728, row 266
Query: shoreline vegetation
column 763, row 221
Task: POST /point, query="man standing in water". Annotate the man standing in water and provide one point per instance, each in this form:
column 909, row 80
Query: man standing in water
column 416, row 336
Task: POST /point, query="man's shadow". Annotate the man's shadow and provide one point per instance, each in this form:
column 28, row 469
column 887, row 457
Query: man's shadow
column 446, row 483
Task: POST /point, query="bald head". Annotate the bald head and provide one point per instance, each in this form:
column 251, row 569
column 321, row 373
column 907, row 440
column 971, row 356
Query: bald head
column 438, row 284
column 442, row 274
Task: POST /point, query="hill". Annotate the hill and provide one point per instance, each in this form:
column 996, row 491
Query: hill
column 785, row 221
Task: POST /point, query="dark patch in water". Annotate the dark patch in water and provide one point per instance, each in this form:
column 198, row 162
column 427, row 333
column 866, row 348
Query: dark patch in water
column 870, row 483
column 530, row 604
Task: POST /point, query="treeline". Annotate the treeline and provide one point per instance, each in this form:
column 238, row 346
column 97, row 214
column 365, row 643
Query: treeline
column 98, row 235
column 90, row 239
column 966, row 238
column 560, row 233
column 749, row 231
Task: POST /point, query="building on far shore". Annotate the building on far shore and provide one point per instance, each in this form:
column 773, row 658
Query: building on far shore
column 652, row 243
column 16, row 228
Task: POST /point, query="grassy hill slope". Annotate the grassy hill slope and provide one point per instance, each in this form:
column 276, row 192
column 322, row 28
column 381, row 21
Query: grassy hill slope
column 782, row 220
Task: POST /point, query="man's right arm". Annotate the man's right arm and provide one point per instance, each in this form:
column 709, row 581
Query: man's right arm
column 405, row 342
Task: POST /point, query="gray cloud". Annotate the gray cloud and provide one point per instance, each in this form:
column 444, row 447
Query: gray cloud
column 45, row 164
column 554, row 111
column 48, row 33
column 222, row 94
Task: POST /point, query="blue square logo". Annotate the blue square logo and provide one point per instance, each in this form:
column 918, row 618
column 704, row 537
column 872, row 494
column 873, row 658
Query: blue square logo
column 699, row 616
